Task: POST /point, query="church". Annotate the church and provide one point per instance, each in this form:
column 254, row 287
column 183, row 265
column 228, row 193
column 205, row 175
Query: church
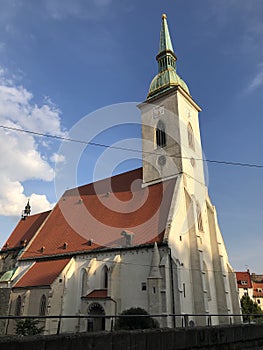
column 151, row 238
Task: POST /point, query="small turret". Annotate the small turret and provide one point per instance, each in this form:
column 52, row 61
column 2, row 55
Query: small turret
column 155, row 270
column 26, row 212
column 154, row 284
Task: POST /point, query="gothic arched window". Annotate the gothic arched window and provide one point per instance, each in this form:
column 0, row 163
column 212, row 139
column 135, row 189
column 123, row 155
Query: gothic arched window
column 84, row 281
column 190, row 133
column 105, row 275
column 160, row 134
column 199, row 217
column 43, row 305
column 18, row 306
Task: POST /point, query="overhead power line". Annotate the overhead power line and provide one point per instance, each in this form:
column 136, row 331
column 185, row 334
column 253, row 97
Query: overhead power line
column 96, row 144
column 135, row 264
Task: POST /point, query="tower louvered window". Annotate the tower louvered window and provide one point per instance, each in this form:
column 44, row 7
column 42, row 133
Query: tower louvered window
column 190, row 133
column 160, row 134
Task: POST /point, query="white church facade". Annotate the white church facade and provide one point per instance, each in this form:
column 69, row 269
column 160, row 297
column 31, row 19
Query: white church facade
column 163, row 250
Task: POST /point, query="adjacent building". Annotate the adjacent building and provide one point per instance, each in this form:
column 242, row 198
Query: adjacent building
column 244, row 284
column 251, row 285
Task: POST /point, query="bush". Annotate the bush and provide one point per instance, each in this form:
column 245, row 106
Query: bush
column 250, row 307
column 130, row 320
column 28, row 326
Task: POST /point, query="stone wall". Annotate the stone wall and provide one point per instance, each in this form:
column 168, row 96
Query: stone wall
column 214, row 338
column 4, row 305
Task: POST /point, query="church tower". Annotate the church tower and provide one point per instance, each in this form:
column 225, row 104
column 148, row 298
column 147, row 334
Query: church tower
column 171, row 141
column 204, row 282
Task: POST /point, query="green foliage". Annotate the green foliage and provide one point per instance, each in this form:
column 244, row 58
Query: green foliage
column 134, row 321
column 250, row 307
column 28, row 326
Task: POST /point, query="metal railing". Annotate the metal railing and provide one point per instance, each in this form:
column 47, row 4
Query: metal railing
column 180, row 320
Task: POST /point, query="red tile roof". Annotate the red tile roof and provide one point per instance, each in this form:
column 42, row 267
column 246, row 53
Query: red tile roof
column 97, row 294
column 257, row 290
column 42, row 273
column 101, row 211
column 243, row 280
column 25, row 230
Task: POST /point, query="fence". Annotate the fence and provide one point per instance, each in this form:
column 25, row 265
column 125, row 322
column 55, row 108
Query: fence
column 179, row 320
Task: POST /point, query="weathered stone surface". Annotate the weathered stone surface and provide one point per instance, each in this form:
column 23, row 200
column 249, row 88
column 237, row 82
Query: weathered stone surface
column 206, row 338
column 4, row 304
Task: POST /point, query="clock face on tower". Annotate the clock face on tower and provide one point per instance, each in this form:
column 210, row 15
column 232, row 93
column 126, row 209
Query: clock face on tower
column 157, row 111
column 161, row 160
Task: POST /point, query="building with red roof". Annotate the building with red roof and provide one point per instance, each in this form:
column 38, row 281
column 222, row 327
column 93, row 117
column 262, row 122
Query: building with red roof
column 251, row 285
column 257, row 284
column 258, row 293
column 146, row 238
column 244, row 280
column 244, row 283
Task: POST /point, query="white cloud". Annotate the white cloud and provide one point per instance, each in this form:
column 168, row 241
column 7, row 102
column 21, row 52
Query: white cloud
column 20, row 155
column 57, row 158
column 257, row 81
column 13, row 199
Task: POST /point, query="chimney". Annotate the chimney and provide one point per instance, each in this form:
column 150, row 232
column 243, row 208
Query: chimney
column 128, row 238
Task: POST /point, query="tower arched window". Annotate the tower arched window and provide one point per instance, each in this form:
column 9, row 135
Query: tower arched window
column 18, row 306
column 43, row 305
column 105, row 276
column 160, row 134
column 190, row 133
column 199, row 217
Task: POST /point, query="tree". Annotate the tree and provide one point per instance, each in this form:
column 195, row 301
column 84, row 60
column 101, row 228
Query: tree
column 28, row 326
column 133, row 319
column 249, row 307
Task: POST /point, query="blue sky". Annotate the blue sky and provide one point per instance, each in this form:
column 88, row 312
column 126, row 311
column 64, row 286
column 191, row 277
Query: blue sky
column 61, row 60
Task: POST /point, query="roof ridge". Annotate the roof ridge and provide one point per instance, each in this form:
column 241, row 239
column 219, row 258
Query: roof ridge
column 104, row 179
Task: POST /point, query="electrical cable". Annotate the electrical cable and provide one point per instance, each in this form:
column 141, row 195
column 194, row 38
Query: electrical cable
column 63, row 138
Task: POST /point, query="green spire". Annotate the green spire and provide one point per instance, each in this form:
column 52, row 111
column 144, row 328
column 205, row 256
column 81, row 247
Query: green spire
column 166, row 57
column 167, row 76
column 165, row 40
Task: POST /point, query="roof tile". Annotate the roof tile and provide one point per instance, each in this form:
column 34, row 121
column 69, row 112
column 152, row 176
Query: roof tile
column 25, row 230
column 42, row 273
column 95, row 215
column 257, row 290
column 97, row 294
column 243, row 280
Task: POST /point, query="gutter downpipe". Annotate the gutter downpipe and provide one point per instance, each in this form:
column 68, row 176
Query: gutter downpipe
column 172, row 286
column 115, row 304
